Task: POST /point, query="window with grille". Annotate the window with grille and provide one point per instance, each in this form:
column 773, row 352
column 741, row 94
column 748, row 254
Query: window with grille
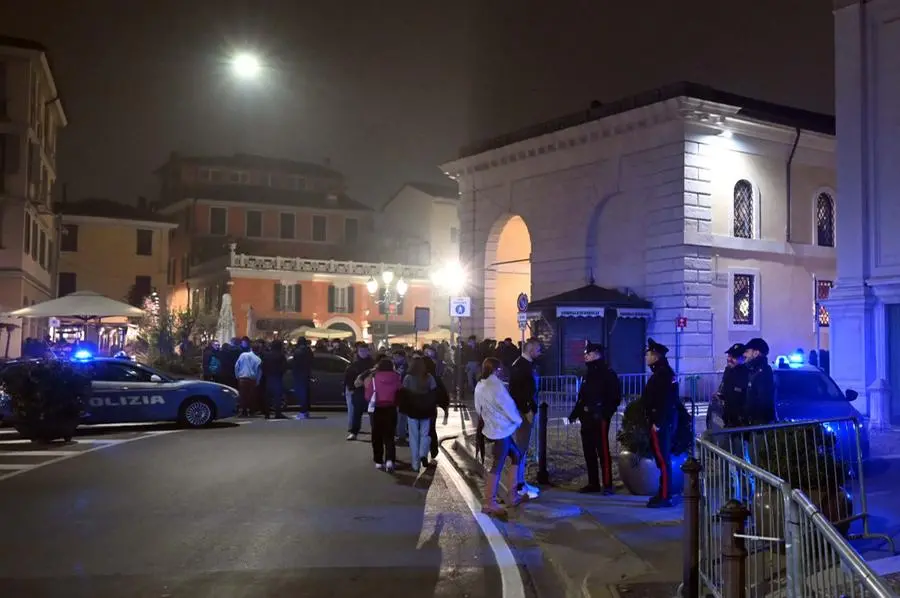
column 825, row 220
column 823, row 292
column 743, row 287
column 743, row 210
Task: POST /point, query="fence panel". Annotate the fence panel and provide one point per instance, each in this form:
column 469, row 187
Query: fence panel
column 822, row 457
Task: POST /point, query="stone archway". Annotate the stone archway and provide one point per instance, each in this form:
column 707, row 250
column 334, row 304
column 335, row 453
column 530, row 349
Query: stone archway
column 507, row 272
column 344, row 323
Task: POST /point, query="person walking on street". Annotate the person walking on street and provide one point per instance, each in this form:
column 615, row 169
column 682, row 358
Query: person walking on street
column 471, row 361
column 354, row 391
column 523, row 387
column 274, row 367
column 301, row 370
column 660, row 398
column 499, row 419
column 401, row 366
column 759, row 408
column 248, row 371
column 419, row 404
column 442, row 398
column 381, row 396
column 598, row 400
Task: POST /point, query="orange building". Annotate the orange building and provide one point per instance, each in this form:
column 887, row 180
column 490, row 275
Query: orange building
column 306, row 248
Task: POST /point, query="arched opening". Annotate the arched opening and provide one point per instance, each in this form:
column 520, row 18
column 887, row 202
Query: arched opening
column 345, row 324
column 507, row 273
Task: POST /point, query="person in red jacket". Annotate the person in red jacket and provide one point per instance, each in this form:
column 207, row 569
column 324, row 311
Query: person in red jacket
column 381, row 395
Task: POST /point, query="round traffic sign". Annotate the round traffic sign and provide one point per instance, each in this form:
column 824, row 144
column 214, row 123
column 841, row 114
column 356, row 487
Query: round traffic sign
column 522, row 302
column 460, row 309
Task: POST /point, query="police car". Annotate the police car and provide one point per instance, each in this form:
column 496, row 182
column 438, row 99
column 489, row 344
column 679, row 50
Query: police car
column 804, row 392
column 129, row 392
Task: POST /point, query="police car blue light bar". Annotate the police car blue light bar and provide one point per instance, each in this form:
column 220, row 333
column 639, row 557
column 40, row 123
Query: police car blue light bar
column 82, row 355
column 795, row 358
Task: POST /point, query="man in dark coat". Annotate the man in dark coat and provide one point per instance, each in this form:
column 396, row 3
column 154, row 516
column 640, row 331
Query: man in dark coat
column 356, row 395
column 660, row 398
column 598, row 400
column 301, row 370
column 759, row 407
column 733, row 390
column 274, row 367
column 523, row 387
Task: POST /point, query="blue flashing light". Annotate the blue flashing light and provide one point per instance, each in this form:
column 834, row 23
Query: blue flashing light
column 795, row 358
column 82, row 355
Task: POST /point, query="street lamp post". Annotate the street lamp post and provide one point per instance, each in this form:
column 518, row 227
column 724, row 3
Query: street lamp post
column 393, row 295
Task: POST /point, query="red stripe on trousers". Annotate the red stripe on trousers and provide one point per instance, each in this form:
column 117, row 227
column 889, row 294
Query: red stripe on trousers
column 607, row 463
column 663, row 470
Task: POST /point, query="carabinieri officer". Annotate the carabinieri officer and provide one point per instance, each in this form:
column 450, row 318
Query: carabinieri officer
column 660, row 397
column 598, row 400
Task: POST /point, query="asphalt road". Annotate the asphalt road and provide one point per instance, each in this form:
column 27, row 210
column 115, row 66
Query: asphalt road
column 264, row 509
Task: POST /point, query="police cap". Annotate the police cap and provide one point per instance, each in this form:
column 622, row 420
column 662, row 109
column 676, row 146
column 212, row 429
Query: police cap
column 758, row 344
column 656, row 347
column 594, row 348
column 736, row 350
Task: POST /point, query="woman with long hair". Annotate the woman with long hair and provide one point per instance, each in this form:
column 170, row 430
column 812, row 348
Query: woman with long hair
column 381, row 393
column 419, row 407
column 500, row 419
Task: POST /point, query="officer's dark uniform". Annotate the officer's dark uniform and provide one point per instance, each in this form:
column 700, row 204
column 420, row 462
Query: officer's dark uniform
column 733, row 390
column 759, row 408
column 598, row 399
column 660, row 398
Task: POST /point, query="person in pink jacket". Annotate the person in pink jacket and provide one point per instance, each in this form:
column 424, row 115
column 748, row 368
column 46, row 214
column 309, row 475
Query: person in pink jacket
column 381, row 395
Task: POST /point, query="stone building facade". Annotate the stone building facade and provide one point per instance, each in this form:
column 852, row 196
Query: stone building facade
column 713, row 207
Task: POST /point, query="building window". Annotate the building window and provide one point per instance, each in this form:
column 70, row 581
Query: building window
column 341, row 299
column 144, row 242
column 823, row 292
column 319, row 228
column 66, row 284
column 294, row 182
column 288, row 297
column 825, row 220
column 218, row 221
column 744, row 300
column 254, row 223
column 27, row 232
column 454, row 235
column 351, row 230
column 743, row 210
column 35, row 237
column 287, row 226
column 143, row 286
column 69, row 241
column 216, row 175
column 42, row 250
column 239, row 177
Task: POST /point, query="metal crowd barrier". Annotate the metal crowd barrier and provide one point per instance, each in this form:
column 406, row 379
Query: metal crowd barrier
column 750, row 533
column 817, row 456
column 557, row 396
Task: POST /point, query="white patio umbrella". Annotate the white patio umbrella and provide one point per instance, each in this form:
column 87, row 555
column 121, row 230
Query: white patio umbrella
column 319, row 333
column 83, row 305
column 225, row 328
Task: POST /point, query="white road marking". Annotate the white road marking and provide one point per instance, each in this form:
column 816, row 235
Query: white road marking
column 16, row 467
column 510, row 576
column 66, row 455
column 39, row 453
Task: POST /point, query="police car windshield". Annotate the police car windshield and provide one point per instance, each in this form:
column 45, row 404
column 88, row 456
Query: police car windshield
column 806, row 386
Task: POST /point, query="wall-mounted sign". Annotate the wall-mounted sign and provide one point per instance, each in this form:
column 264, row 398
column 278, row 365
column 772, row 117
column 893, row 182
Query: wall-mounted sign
column 461, row 307
column 522, row 302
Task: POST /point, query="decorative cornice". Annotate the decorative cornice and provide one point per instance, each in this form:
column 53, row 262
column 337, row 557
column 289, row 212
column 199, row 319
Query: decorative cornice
column 242, row 261
column 686, row 109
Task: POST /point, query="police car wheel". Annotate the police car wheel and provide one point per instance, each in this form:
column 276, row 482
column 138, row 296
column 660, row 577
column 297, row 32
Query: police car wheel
column 196, row 413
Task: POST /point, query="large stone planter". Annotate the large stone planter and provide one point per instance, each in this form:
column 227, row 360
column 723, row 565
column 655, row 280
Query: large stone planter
column 768, row 509
column 46, row 432
column 641, row 476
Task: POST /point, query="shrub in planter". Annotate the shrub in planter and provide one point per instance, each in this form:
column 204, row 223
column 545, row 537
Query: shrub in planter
column 46, row 398
column 637, row 468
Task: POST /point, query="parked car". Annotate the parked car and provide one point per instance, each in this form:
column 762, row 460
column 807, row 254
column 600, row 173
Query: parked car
column 804, row 393
column 327, row 383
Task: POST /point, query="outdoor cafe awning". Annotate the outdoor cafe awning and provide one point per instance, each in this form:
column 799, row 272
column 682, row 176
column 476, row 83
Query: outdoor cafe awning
column 83, row 305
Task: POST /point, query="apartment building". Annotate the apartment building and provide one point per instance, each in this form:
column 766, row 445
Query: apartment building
column 31, row 116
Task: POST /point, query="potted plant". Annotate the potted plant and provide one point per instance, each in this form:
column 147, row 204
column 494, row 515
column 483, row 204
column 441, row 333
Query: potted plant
column 46, row 398
column 807, row 458
column 637, row 467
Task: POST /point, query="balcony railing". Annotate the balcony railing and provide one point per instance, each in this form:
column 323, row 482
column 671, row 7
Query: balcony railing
column 337, row 267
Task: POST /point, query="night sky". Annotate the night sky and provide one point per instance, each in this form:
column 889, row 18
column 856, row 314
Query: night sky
column 388, row 93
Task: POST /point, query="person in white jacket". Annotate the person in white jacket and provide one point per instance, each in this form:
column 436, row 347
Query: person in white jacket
column 499, row 420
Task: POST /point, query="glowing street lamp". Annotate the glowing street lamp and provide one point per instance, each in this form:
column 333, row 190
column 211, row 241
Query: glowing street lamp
column 451, row 278
column 245, row 65
column 392, row 297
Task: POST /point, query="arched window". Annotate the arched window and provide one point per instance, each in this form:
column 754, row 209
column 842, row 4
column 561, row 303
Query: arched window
column 743, row 209
column 824, row 220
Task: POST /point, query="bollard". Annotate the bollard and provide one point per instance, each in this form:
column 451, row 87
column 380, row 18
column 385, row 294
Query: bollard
column 734, row 551
column 543, row 476
column 690, row 572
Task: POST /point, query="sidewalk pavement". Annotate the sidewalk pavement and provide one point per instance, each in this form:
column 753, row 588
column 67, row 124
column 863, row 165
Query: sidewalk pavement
column 595, row 546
